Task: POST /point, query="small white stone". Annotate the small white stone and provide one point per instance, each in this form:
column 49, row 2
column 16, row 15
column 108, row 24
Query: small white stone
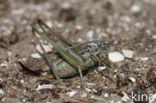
column 4, row 64
column 45, row 86
column 72, row 93
column 154, row 96
column 154, row 36
column 88, row 90
column 132, row 79
column 112, row 101
column 98, row 30
column 90, row 34
column 101, row 68
column 84, row 95
column 59, row 25
column 22, row 81
column 139, row 24
column 23, row 59
column 79, row 40
column 36, row 56
column 106, row 95
column 78, row 27
column 49, row 23
column 144, row 58
column 135, row 8
column 102, row 34
column 78, row 86
column 119, row 102
column 128, row 53
column 48, row 48
column 66, row 5
column 9, row 53
column 94, row 90
column 126, row 18
column 115, row 56
column 1, row 91
column 90, row 84
column 24, row 100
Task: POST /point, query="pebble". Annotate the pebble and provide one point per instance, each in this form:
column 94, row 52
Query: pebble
column 9, row 53
column 72, row 93
column 90, row 34
column 79, row 86
column 23, row 59
column 88, row 90
column 112, row 101
column 45, row 86
column 22, row 81
column 154, row 36
column 119, row 102
column 128, row 53
column 1, row 91
column 84, row 95
column 135, row 8
column 59, row 25
column 90, row 84
column 49, row 23
column 106, row 95
column 132, row 79
column 4, row 64
column 144, row 58
column 78, row 27
column 36, row 55
column 94, row 90
column 48, row 48
column 116, row 56
column 101, row 68
column 66, row 5
column 127, row 19
column 79, row 40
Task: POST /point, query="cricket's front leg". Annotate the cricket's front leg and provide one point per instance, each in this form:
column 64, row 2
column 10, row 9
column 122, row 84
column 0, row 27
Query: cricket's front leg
column 64, row 41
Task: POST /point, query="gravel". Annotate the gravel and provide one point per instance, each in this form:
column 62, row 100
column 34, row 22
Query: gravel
column 128, row 53
column 116, row 56
column 127, row 24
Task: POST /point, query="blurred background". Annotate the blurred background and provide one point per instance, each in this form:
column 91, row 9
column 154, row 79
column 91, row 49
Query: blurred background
column 78, row 20
column 127, row 24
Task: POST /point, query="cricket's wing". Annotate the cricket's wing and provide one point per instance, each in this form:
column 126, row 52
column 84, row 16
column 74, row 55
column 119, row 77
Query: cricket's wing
column 84, row 47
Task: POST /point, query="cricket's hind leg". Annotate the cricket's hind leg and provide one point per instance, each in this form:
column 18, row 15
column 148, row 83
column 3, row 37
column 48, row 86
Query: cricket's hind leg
column 43, row 26
column 46, row 57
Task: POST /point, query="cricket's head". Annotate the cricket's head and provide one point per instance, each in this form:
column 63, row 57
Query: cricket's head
column 98, row 52
column 103, row 50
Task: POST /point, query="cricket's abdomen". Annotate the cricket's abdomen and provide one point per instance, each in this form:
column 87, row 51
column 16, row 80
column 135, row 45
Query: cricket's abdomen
column 64, row 70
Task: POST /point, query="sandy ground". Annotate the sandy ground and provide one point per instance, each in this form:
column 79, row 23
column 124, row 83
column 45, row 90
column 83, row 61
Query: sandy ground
column 127, row 24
